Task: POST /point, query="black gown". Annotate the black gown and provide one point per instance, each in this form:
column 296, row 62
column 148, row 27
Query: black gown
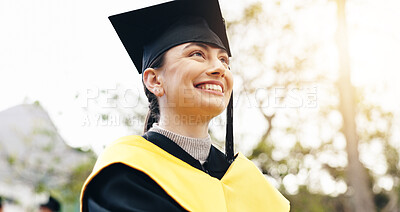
column 119, row 187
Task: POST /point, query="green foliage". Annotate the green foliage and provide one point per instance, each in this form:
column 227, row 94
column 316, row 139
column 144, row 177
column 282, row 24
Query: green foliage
column 392, row 159
column 253, row 11
column 41, row 187
column 305, row 201
column 263, row 147
column 37, row 103
column 70, row 191
column 374, row 123
column 11, row 159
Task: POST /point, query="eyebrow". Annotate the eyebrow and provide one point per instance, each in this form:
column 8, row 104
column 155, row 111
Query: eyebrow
column 197, row 44
column 204, row 46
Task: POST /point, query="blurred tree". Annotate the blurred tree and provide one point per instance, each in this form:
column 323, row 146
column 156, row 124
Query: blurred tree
column 299, row 162
column 356, row 174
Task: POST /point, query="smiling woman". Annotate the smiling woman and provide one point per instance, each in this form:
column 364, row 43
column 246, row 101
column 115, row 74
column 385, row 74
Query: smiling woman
column 182, row 51
column 194, row 80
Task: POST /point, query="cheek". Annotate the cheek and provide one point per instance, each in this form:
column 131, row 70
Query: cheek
column 229, row 81
column 177, row 83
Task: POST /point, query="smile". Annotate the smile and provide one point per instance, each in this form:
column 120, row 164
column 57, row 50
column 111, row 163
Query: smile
column 212, row 86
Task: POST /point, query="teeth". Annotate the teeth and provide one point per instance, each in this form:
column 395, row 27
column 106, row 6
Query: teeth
column 212, row 87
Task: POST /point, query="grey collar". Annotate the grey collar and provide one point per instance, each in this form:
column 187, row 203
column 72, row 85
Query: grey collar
column 198, row 148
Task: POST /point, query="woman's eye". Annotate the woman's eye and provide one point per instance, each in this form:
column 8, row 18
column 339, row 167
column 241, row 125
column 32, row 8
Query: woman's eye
column 197, row 54
column 224, row 60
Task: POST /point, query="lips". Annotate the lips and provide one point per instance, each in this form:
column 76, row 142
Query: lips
column 211, row 86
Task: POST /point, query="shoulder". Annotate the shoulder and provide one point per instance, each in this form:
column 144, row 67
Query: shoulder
column 121, row 188
column 120, row 180
column 127, row 148
column 109, row 179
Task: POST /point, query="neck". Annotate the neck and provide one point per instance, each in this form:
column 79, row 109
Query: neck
column 198, row 148
column 194, row 126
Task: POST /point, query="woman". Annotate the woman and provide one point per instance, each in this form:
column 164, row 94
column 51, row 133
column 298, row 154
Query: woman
column 182, row 51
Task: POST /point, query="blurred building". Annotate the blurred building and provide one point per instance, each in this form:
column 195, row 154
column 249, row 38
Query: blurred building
column 33, row 157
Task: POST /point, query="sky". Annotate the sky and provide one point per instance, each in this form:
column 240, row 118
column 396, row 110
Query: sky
column 62, row 53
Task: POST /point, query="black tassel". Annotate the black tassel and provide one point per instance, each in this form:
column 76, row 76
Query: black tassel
column 229, row 131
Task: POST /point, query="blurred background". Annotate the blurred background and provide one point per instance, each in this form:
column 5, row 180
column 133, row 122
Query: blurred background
column 317, row 98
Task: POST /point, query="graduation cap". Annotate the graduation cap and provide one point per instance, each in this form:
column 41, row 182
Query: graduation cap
column 51, row 204
column 149, row 32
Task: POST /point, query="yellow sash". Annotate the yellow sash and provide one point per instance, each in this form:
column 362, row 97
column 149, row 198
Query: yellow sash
column 242, row 188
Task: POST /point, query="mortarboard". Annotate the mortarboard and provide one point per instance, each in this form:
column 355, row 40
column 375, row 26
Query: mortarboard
column 148, row 32
column 51, row 204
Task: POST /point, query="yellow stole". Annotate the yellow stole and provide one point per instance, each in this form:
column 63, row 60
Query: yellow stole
column 242, row 188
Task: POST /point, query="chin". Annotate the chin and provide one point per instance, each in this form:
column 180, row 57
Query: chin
column 213, row 108
column 208, row 105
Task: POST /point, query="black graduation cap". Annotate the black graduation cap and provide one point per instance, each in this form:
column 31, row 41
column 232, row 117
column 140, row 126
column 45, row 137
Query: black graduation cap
column 51, row 204
column 148, row 32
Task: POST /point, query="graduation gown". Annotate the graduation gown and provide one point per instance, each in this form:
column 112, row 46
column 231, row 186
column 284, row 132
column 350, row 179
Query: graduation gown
column 152, row 173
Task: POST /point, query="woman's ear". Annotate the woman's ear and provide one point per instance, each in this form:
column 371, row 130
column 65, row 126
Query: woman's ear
column 153, row 82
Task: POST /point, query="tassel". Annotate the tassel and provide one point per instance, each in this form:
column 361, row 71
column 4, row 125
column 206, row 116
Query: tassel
column 229, row 131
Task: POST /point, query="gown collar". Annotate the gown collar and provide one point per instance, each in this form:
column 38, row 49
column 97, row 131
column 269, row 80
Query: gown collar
column 216, row 164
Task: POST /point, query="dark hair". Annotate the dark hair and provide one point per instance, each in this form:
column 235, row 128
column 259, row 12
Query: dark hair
column 153, row 116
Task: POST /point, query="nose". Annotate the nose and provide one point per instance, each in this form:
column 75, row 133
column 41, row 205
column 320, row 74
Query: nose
column 217, row 69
